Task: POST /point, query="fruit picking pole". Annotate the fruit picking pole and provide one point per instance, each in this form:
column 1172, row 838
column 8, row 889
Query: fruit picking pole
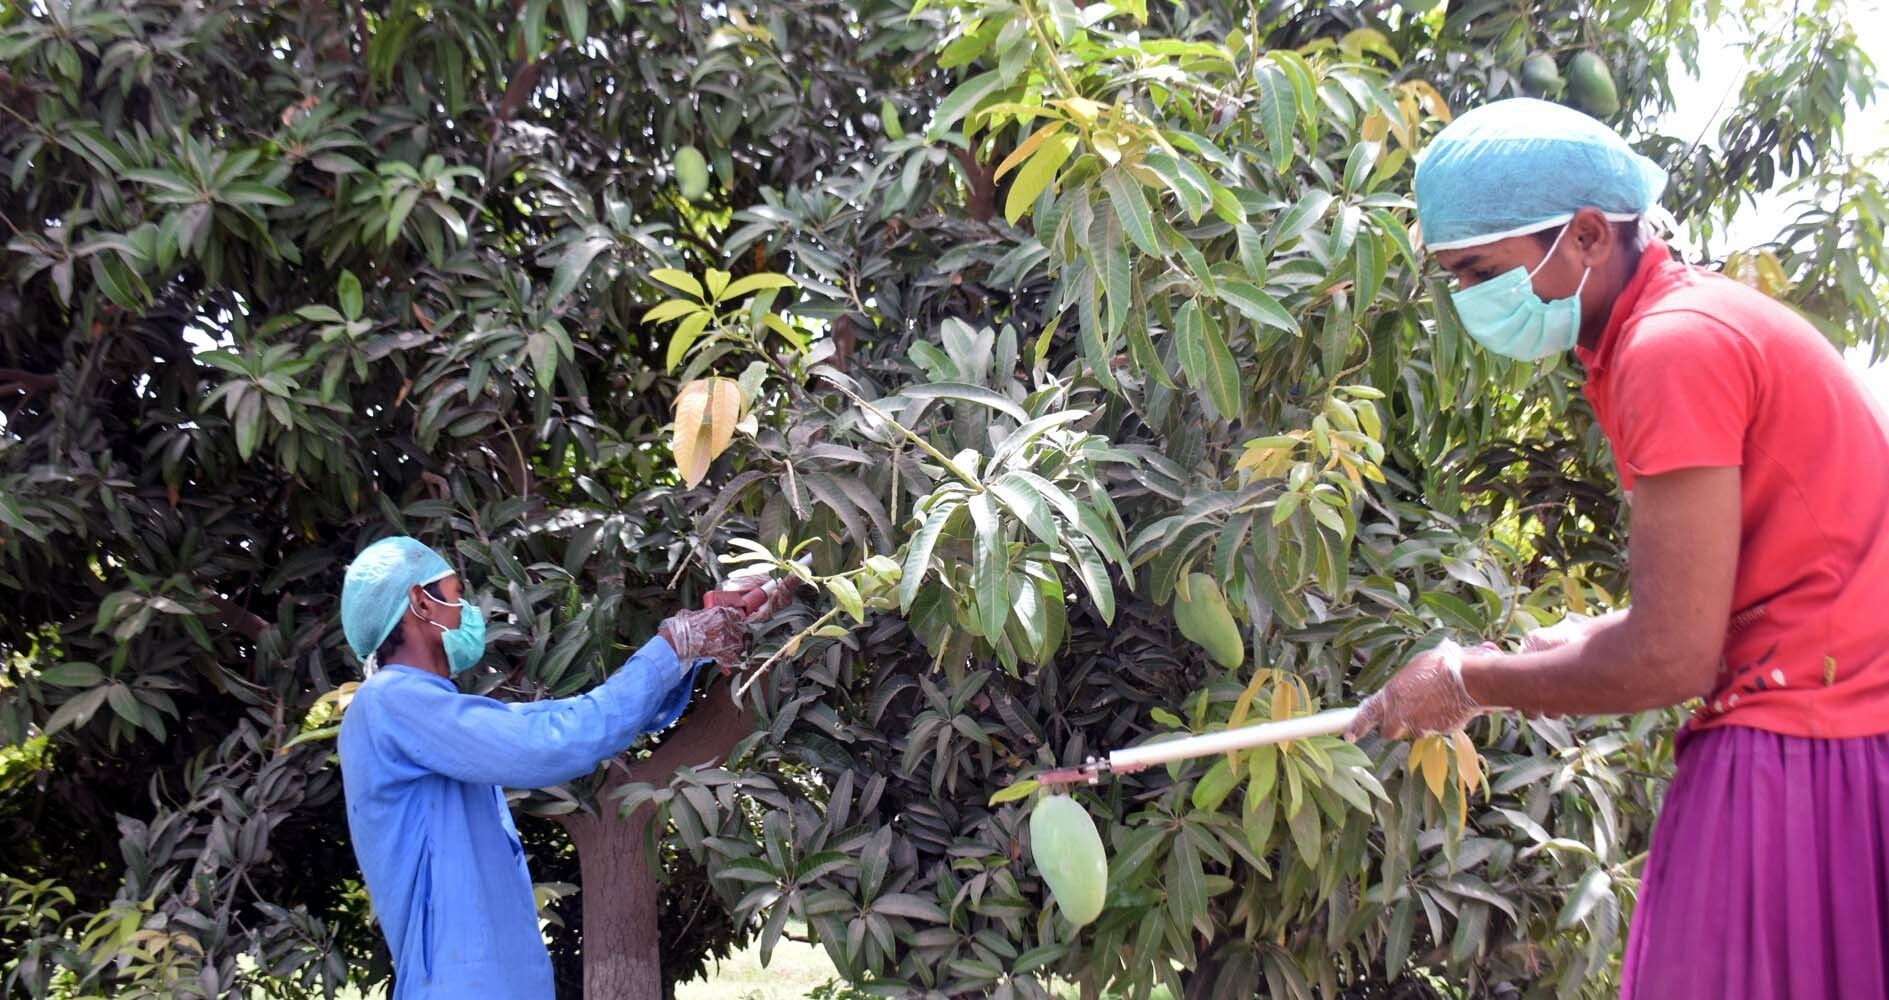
column 1205, row 745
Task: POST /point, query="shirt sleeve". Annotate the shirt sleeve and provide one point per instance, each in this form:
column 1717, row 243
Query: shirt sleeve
column 1686, row 393
column 489, row 742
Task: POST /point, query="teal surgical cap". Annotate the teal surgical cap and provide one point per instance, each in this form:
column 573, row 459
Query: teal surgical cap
column 374, row 593
column 1520, row 166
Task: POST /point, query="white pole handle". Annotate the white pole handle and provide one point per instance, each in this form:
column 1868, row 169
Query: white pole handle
column 1243, row 738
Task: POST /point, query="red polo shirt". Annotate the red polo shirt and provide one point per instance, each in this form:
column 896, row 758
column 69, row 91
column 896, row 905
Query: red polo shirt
column 1696, row 370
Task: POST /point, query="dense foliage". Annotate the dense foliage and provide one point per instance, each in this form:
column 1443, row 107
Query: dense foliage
column 1035, row 311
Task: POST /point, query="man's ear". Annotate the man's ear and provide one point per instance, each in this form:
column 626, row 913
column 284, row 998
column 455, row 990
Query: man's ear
column 1593, row 236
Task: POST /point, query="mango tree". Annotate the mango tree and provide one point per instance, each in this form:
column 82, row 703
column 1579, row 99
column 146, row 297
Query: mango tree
column 285, row 278
column 1207, row 448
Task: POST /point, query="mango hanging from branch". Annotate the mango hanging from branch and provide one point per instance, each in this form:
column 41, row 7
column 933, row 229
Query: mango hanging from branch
column 1068, row 852
column 1591, row 85
column 1201, row 612
column 691, row 173
column 1540, row 76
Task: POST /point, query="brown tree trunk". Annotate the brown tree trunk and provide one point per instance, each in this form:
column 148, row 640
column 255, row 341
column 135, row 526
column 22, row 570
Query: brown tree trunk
column 622, row 946
column 981, row 204
column 618, row 887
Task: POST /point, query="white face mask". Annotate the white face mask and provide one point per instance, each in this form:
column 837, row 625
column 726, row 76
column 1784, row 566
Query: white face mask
column 1505, row 315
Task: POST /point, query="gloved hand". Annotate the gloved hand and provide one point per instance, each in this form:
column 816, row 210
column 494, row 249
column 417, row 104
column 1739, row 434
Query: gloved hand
column 753, row 595
column 1426, row 696
column 712, row 633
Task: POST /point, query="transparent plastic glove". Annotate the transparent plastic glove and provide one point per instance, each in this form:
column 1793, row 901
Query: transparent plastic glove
column 1427, row 696
column 1559, row 634
column 717, row 634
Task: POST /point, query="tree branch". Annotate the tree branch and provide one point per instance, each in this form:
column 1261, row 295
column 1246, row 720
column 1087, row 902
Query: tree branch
column 706, row 739
column 244, row 621
column 26, row 383
column 523, row 80
column 982, row 203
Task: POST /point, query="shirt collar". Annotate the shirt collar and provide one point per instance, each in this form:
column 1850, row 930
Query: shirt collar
column 1652, row 259
column 417, row 673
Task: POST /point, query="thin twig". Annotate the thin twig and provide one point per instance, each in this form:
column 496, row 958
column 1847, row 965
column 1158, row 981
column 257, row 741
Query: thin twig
column 969, row 479
column 790, row 646
column 1049, row 51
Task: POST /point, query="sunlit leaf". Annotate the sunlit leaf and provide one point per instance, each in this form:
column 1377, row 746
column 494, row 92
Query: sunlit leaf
column 706, row 413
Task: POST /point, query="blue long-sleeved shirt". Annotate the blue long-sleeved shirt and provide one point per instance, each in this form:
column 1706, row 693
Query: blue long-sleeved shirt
column 422, row 766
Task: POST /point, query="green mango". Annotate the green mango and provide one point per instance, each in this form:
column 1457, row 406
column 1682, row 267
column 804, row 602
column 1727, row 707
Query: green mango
column 691, row 172
column 1068, row 851
column 1591, row 85
column 1203, row 617
column 1540, row 76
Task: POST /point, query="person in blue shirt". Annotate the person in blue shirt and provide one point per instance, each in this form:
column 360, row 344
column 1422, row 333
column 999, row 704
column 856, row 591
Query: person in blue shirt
column 423, row 766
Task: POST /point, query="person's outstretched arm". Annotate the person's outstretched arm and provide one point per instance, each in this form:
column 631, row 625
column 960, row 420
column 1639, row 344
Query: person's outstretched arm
column 485, row 741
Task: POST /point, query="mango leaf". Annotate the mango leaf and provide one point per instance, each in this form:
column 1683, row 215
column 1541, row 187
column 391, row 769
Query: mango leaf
column 577, row 19
column 754, row 283
column 1027, row 506
column 847, row 595
column 76, row 712
column 72, row 675
column 1429, row 757
column 918, row 554
column 1468, row 762
column 1093, row 573
column 573, row 266
column 1027, row 148
column 348, row 293
column 1037, row 174
column 706, row 413
column 1307, row 832
column 909, row 906
column 1207, row 361
column 990, row 567
column 1013, row 792
column 690, row 328
column 1253, row 302
column 248, row 423
column 671, row 309
column 1588, row 892
column 960, row 101
column 1276, row 110
column 397, row 215
column 681, row 281
column 964, row 392
column 1131, row 206
column 1214, row 787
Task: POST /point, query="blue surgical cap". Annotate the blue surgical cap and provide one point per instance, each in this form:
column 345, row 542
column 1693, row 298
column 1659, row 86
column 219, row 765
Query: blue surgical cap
column 1520, row 166
column 374, row 592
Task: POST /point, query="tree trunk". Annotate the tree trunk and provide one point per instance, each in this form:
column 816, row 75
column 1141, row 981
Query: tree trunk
column 618, row 887
column 622, row 946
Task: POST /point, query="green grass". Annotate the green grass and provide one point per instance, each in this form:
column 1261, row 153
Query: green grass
column 795, row 970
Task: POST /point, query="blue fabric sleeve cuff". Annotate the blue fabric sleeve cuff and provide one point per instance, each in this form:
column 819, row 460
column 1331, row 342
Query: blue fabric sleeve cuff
column 676, row 699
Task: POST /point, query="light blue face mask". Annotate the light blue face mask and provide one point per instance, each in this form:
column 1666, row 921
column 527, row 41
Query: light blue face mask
column 465, row 644
column 1505, row 315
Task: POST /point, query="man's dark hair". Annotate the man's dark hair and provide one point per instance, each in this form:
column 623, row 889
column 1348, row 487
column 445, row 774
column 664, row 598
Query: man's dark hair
column 1628, row 233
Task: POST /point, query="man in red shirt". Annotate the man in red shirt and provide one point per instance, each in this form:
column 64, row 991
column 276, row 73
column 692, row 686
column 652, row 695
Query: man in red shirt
column 1756, row 465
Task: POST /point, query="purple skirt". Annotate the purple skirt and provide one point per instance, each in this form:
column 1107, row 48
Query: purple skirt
column 1769, row 873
